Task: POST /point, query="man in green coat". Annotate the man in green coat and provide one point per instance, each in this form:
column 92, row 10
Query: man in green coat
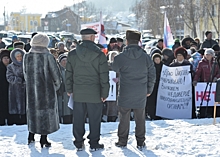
column 87, row 78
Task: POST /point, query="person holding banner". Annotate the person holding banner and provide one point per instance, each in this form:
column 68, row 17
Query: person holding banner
column 137, row 78
column 207, row 71
column 181, row 60
column 87, row 79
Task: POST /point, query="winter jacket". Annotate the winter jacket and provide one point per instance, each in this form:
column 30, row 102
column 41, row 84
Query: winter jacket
column 63, row 98
column 87, row 74
column 137, row 76
column 15, row 77
column 195, row 59
column 42, row 81
column 204, row 69
column 3, row 92
column 208, row 43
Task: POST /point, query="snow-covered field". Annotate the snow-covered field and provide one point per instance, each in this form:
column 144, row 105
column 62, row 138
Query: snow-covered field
column 184, row 138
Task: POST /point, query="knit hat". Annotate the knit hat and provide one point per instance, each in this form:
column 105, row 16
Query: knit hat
column 155, row 50
column 59, row 44
column 167, row 52
column 41, row 40
column 113, row 40
column 133, row 35
column 182, row 51
column 4, row 52
column 160, row 40
column 18, row 43
column 216, row 47
column 14, row 37
column 207, row 33
column 61, row 57
column 177, row 40
column 209, row 51
column 156, row 55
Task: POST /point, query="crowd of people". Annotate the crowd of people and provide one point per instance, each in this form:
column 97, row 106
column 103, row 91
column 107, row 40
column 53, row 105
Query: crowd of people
column 36, row 82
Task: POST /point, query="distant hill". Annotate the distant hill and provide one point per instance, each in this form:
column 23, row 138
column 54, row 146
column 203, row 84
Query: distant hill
column 113, row 5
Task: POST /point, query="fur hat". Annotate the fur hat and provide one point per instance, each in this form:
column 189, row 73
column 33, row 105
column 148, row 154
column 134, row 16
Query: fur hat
column 182, row 51
column 156, row 55
column 59, row 44
column 87, row 31
column 113, row 40
column 133, row 35
column 4, row 52
column 209, row 51
column 41, row 40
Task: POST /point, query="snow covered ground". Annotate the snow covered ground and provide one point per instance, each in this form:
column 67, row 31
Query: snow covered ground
column 169, row 138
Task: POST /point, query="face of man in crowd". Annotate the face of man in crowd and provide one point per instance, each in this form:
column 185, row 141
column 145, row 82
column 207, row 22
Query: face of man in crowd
column 188, row 42
column 63, row 62
column 5, row 60
column 208, row 57
column 19, row 57
column 120, row 43
column 179, row 57
column 160, row 44
column 209, row 36
column 157, row 60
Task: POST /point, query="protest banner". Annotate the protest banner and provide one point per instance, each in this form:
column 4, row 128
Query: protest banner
column 96, row 26
column 200, row 92
column 112, row 90
column 174, row 100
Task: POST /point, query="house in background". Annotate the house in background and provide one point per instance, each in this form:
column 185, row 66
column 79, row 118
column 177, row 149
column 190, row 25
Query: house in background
column 24, row 22
column 62, row 20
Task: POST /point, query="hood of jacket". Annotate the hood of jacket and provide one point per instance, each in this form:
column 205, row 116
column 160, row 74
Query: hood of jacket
column 133, row 51
column 12, row 55
column 87, row 51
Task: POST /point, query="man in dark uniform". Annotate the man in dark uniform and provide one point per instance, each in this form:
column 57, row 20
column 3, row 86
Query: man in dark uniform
column 137, row 78
column 87, row 79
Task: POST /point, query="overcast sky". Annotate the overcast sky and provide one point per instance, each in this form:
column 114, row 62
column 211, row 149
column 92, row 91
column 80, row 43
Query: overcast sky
column 33, row 6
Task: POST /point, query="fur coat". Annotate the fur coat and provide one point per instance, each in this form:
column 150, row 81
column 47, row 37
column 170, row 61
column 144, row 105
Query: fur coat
column 15, row 77
column 42, row 81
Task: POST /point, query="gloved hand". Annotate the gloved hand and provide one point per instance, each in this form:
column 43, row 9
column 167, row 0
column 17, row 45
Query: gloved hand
column 194, row 83
column 215, row 79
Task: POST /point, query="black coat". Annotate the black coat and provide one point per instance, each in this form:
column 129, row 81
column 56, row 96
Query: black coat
column 2, row 45
column 3, row 91
column 152, row 99
column 137, row 76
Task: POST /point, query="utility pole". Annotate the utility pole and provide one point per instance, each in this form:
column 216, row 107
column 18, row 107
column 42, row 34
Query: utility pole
column 4, row 19
column 219, row 18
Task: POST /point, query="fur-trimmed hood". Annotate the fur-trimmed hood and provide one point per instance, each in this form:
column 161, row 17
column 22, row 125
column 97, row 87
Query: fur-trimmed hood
column 12, row 55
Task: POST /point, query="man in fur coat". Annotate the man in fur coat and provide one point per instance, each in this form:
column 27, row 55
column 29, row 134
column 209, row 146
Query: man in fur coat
column 42, row 81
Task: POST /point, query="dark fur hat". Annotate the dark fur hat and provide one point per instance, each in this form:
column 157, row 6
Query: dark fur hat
column 133, row 35
column 182, row 51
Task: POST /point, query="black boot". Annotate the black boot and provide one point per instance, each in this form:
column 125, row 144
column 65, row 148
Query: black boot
column 44, row 142
column 30, row 138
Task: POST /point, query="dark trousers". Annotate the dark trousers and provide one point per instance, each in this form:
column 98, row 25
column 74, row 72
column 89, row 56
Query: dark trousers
column 94, row 112
column 124, row 125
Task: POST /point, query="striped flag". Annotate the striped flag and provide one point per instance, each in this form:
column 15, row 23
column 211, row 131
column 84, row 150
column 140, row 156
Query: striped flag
column 102, row 37
column 168, row 37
